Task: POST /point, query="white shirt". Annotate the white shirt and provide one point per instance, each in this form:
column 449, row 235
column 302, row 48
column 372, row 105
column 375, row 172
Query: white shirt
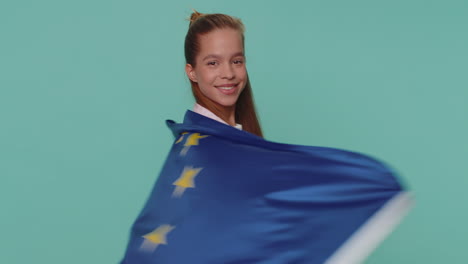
column 205, row 112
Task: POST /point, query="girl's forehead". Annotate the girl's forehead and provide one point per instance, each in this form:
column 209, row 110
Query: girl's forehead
column 220, row 34
column 222, row 41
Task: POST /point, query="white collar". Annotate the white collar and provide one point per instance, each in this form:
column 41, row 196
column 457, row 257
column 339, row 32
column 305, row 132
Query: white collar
column 205, row 112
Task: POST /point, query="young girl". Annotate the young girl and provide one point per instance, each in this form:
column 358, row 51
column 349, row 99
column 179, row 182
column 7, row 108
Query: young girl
column 226, row 195
column 215, row 57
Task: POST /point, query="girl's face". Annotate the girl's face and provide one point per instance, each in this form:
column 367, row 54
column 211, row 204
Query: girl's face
column 220, row 66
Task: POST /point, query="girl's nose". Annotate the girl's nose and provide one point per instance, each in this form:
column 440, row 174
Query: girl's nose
column 227, row 72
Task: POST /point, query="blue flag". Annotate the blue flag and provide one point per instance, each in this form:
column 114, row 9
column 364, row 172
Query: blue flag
column 228, row 196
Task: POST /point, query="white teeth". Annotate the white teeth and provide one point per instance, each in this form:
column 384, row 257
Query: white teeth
column 226, row 88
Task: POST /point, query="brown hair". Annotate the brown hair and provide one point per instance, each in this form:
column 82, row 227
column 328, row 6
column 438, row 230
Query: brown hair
column 202, row 24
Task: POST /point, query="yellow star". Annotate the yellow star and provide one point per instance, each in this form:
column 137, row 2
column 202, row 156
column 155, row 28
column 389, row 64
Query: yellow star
column 181, row 137
column 192, row 140
column 156, row 238
column 185, row 180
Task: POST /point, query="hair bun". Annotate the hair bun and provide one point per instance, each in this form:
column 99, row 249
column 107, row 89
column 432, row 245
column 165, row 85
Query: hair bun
column 194, row 16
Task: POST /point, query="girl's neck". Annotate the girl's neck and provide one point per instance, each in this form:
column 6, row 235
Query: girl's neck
column 226, row 113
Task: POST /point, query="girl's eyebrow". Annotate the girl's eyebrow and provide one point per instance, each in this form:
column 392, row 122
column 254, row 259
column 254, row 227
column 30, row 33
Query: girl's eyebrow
column 214, row 56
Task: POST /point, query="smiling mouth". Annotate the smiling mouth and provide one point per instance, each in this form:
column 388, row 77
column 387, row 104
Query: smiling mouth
column 227, row 87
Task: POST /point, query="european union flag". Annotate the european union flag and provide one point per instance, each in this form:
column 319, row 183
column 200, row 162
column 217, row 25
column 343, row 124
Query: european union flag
column 227, row 196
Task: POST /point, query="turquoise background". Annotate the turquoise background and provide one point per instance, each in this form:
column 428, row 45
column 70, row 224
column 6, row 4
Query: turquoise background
column 85, row 87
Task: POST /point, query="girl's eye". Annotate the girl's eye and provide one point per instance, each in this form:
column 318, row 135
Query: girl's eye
column 211, row 63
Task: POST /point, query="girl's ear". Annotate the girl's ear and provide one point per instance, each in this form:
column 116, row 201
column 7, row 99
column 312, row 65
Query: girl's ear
column 190, row 71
